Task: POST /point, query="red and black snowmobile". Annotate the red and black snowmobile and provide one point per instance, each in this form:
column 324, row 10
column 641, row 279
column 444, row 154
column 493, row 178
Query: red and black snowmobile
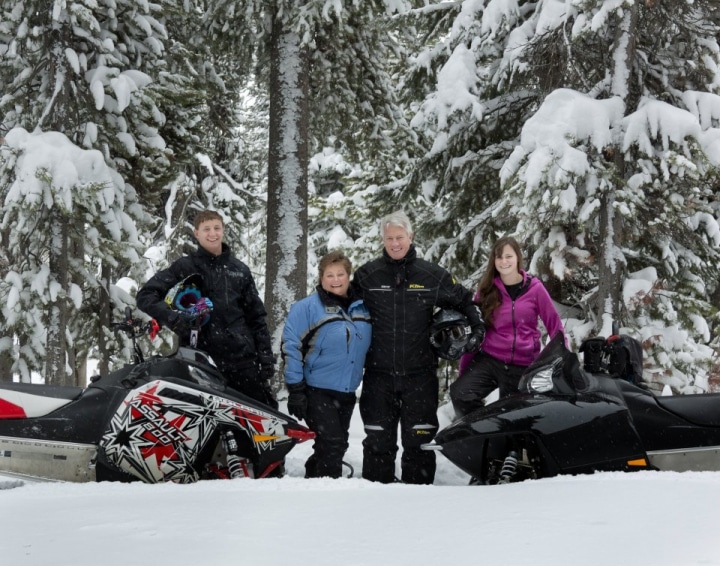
column 164, row 419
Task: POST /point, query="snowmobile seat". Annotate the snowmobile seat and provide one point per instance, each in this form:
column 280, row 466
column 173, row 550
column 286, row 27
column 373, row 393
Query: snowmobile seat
column 69, row 392
column 29, row 400
column 702, row 409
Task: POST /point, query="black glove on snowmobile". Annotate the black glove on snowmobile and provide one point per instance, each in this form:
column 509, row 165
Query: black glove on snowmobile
column 181, row 322
column 270, row 400
column 297, row 401
column 475, row 341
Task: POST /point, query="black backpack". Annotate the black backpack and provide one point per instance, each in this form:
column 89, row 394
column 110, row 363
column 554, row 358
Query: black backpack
column 618, row 355
column 625, row 358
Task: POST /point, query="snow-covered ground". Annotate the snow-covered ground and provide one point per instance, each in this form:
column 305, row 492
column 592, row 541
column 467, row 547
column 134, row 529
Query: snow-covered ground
column 640, row 519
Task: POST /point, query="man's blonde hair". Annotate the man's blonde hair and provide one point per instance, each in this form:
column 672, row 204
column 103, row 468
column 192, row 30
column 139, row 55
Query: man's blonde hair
column 397, row 218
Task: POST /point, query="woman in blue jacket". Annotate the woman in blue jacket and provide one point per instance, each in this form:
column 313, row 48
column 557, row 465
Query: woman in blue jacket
column 325, row 339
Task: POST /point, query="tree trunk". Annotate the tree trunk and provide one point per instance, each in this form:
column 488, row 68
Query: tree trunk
column 612, row 265
column 56, row 358
column 6, row 336
column 104, row 320
column 6, row 362
column 287, row 222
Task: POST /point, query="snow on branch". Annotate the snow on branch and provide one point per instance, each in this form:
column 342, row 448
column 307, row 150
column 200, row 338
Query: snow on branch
column 657, row 120
column 566, row 119
column 456, row 91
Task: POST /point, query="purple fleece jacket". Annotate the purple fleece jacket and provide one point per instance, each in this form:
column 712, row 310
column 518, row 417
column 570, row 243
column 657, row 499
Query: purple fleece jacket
column 514, row 336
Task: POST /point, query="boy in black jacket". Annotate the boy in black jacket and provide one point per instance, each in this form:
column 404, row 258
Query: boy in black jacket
column 236, row 336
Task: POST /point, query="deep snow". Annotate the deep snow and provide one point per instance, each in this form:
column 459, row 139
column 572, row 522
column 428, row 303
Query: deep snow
column 644, row 518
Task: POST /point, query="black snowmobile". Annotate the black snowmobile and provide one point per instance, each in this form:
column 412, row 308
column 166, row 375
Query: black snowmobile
column 164, row 419
column 568, row 419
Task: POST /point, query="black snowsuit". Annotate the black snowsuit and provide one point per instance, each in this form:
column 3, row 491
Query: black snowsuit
column 400, row 382
column 237, row 336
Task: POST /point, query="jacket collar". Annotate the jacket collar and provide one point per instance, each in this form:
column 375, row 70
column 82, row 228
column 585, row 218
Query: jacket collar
column 408, row 258
column 206, row 255
column 527, row 279
column 330, row 300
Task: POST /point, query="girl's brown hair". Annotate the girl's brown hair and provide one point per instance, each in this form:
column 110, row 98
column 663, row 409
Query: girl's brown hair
column 489, row 296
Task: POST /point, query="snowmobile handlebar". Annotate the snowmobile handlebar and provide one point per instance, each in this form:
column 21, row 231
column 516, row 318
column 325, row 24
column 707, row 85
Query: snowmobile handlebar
column 133, row 328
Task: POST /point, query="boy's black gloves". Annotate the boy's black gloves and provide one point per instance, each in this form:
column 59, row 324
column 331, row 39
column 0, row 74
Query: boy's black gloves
column 267, row 372
column 181, row 322
column 297, row 401
column 270, row 400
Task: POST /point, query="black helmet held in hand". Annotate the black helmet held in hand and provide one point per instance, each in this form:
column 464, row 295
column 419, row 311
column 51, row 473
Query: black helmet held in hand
column 449, row 334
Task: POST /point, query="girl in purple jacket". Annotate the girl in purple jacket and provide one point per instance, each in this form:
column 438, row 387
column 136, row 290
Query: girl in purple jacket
column 511, row 301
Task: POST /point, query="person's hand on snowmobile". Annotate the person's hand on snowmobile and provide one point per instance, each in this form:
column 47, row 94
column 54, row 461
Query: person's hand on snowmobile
column 270, row 400
column 297, row 400
column 474, row 343
column 197, row 315
column 181, row 322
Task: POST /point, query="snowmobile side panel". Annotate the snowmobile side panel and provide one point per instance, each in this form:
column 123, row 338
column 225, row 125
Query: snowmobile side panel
column 162, row 428
column 81, row 421
column 662, row 429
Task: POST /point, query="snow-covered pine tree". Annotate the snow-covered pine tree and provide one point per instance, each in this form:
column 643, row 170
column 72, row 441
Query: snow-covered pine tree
column 76, row 75
column 612, row 185
column 466, row 120
column 347, row 99
column 206, row 85
column 367, row 148
column 614, row 174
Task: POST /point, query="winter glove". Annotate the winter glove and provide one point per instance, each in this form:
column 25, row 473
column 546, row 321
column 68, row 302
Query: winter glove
column 270, row 400
column 181, row 322
column 474, row 343
column 267, row 372
column 297, row 401
column 267, row 365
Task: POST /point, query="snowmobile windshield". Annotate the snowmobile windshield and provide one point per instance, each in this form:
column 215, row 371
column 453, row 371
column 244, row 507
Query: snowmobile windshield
column 556, row 370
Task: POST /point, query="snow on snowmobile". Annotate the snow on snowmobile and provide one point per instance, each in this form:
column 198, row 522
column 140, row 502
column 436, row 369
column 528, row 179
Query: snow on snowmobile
column 568, row 419
column 164, row 419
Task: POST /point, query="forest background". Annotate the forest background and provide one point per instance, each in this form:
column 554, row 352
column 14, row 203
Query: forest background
column 588, row 129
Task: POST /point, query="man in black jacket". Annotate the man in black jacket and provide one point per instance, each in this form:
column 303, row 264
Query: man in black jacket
column 236, row 336
column 400, row 384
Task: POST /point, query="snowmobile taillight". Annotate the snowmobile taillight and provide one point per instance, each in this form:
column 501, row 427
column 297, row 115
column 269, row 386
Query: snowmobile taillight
column 639, row 462
column 301, row 435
